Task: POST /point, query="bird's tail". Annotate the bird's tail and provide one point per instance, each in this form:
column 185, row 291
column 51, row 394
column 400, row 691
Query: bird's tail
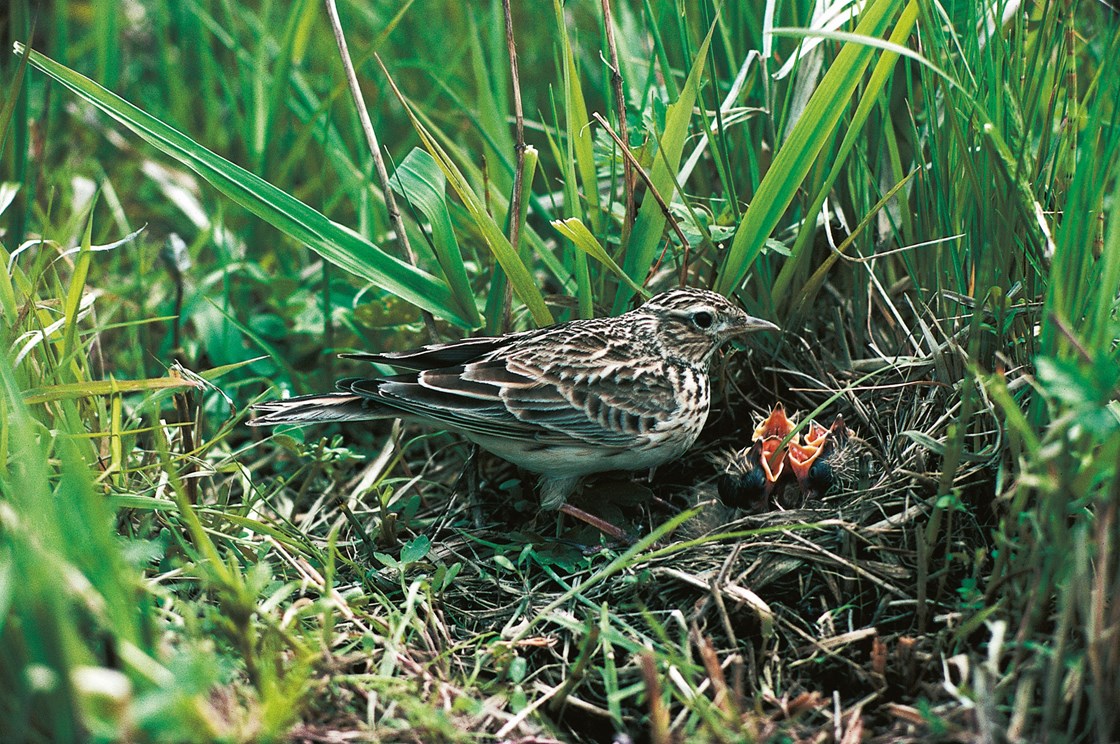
column 310, row 409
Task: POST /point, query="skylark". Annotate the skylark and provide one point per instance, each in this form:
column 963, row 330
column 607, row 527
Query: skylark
column 624, row 393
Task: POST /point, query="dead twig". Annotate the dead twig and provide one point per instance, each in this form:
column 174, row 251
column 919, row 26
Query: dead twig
column 375, row 151
column 519, row 151
column 656, row 195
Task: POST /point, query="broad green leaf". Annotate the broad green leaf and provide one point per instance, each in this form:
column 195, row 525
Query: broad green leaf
column 415, row 549
column 813, row 130
column 336, row 243
column 419, row 180
column 650, row 225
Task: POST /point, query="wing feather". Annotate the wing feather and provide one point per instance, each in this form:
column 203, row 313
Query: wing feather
column 435, row 356
column 576, row 383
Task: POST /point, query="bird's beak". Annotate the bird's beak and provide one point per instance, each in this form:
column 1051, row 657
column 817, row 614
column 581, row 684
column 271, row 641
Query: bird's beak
column 750, row 324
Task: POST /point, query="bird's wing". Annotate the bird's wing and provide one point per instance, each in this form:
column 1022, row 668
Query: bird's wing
column 617, row 403
column 435, row 356
column 454, row 404
column 592, row 391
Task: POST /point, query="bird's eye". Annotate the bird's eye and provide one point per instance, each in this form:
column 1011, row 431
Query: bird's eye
column 702, row 319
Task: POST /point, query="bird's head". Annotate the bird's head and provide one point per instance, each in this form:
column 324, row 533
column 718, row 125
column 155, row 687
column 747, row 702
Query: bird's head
column 693, row 323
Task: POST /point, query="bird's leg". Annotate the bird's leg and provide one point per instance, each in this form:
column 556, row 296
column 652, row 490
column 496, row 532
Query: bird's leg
column 471, row 472
column 662, row 503
column 468, row 483
column 598, row 523
column 472, row 476
column 554, row 495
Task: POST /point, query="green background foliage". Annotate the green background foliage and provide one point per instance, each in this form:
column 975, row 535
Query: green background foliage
column 921, row 194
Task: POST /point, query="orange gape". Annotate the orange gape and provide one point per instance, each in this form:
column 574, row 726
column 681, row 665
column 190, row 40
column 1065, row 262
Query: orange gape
column 752, row 474
column 811, row 461
column 773, row 429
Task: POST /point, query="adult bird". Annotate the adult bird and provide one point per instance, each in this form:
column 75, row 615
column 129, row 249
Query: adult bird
column 624, row 393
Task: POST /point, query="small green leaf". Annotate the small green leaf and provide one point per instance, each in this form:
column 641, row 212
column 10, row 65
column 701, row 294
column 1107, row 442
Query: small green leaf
column 387, row 560
column 517, row 669
column 449, row 577
column 415, row 549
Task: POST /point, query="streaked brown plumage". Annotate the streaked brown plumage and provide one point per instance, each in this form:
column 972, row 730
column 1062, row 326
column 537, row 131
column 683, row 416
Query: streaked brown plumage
column 623, row 393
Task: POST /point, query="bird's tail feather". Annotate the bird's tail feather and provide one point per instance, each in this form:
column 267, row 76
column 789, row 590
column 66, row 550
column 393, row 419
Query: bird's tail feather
column 310, row 409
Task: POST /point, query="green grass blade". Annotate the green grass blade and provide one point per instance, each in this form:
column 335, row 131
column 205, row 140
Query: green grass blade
column 419, row 180
column 582, row 238
column 517, row 273
column 650, row 225
column 491, row 108
column 75, row 292
column 808, row 137
column 292, row 46
column 11, row 98
column 337, row 243
column 579, row 126
column 578, row 157
column 90, row 388
column 882, row 72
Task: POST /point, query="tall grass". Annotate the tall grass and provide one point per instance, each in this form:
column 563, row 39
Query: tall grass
column 913, row 190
